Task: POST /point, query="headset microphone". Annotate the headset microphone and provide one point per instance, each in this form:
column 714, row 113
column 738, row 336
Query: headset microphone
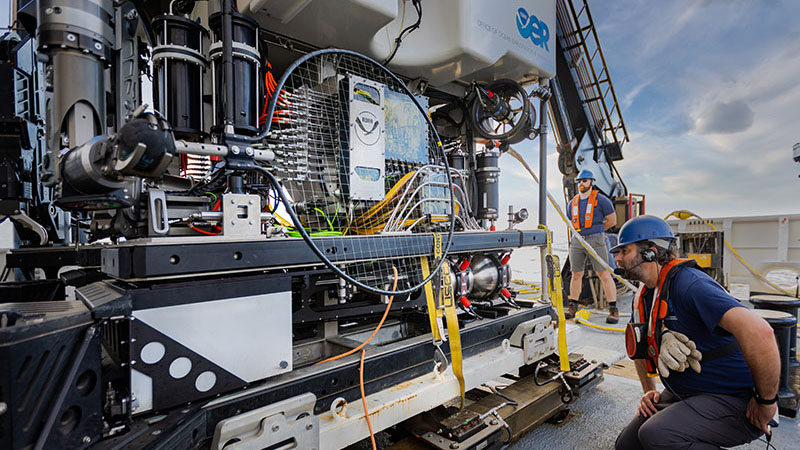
column 625, row 273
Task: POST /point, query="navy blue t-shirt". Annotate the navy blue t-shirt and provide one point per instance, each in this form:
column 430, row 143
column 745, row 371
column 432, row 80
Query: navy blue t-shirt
column 697, row 303
column 604, row 208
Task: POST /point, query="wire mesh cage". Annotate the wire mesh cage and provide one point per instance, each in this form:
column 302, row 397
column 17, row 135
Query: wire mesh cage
column 361, row 169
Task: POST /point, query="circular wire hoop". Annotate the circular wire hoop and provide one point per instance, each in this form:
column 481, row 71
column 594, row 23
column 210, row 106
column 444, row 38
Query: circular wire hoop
column 364, row 179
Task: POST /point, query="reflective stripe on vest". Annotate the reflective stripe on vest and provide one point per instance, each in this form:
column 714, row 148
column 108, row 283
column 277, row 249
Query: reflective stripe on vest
column 658, row 312
column 591, row 204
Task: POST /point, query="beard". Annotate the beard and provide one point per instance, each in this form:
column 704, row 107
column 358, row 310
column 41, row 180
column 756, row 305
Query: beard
column 633, row 271
column 584, row 188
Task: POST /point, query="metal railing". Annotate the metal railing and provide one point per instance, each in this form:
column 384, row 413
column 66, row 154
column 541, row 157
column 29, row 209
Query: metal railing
column 585, row 57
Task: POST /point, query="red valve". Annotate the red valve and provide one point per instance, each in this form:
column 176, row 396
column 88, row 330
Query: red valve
column 504, row 292
column 464, row 301
column 505, row 260
column 464, row 264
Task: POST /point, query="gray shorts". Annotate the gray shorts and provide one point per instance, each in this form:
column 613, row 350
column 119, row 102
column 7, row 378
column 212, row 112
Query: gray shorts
column 578, row 254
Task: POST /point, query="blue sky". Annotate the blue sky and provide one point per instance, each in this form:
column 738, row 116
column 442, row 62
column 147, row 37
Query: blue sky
column 711, row 98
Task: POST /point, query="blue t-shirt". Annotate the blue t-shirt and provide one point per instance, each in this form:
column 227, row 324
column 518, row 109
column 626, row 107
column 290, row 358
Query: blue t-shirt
column 697, row 303
column 604, row 208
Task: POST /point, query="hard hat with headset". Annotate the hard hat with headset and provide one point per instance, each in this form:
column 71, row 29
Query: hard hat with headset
column 645, row 228
column 585, row 175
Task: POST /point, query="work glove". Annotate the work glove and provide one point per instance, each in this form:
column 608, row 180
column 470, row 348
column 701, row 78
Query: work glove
column 677, row 353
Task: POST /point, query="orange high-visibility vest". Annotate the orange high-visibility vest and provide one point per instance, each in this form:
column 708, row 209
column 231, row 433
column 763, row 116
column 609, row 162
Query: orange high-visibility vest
column 588, row 215
column 655, row 321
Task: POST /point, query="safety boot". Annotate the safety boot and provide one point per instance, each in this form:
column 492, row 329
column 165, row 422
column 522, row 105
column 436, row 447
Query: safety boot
column 572, row 308
column 613, row 314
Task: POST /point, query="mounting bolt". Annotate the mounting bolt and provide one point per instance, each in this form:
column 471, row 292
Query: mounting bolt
column 454, row 445
column 86, row 439
column 3, row 408
column 275, row 428
column 493, row 422
column 284, row 364
column 249, row 151
column 309, row 426
column 235, row 150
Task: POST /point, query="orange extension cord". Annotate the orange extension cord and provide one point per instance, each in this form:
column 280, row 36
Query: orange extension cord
column 363, row 352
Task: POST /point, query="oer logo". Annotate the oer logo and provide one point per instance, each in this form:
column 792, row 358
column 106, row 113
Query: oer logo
column 530, row 27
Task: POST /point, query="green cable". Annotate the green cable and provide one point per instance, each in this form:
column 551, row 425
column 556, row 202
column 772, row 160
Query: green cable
column 316, row 234
column 330, row 225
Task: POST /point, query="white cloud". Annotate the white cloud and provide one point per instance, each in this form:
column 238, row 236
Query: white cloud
column 724, row 118
column 713, row 129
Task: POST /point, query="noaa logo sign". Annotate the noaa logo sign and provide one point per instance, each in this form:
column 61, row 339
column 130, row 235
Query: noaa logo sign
column 367, row 128
column 530, row 27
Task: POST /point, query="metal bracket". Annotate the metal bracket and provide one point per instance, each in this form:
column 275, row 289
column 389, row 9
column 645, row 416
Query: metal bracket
column 241, row 215
column 536, row 338
column 290, row 423
column 22, row 219
column 159, row 216
column 487, row 437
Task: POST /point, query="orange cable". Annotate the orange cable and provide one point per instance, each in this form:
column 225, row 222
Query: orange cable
column 385, row 313
column 364, row 397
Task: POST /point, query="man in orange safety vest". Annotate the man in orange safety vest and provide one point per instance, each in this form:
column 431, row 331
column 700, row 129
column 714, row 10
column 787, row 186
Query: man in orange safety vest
column 591, row 213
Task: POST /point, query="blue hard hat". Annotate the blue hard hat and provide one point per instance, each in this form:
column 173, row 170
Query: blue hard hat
column 585, row 175
column 643, row 228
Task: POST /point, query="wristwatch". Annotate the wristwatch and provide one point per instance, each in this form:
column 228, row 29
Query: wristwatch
column 764, row 401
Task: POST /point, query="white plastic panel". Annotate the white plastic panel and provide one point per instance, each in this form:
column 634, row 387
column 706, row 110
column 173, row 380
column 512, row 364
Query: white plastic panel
column 465, row 40
column 474, row 40
column 349, row 24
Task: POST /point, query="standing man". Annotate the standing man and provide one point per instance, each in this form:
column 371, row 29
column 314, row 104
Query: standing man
column 682, row 317
column 591, row 213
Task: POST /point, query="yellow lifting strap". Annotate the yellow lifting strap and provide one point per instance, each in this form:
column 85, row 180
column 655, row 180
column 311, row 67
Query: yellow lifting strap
column 434, row 313
column 448, row 302
column 442, row 303
column 555, row 293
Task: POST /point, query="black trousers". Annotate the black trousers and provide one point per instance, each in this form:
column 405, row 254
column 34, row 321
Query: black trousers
column 699, row 422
